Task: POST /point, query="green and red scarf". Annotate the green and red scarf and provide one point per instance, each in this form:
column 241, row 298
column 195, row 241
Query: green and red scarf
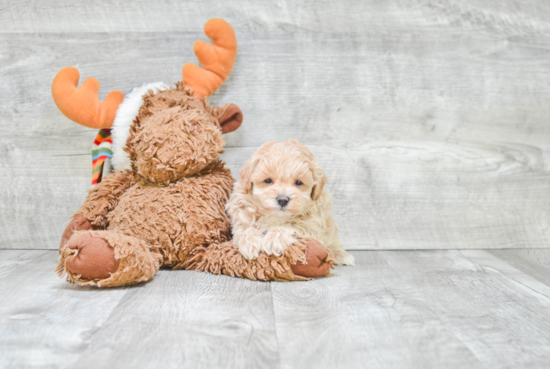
column 101, row 151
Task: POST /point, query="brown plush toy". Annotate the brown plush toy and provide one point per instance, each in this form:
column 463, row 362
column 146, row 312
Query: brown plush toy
column 167, row 208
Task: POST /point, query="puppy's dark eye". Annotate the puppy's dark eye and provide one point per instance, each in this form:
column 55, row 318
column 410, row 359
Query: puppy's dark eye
column 268, row 180
column 298, row 183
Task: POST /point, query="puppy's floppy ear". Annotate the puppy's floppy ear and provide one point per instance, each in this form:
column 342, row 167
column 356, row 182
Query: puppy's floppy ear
column 229, row 116
column 320, row 180
column 246, row 172
column 318, row 174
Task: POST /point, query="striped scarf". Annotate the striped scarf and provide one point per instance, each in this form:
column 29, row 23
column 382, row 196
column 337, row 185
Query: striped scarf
column 101, row 151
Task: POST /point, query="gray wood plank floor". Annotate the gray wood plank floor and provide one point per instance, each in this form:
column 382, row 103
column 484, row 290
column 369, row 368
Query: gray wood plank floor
column 395, row 309
column 430, row 117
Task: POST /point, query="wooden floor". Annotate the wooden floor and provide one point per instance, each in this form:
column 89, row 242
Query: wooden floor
column 395, row 309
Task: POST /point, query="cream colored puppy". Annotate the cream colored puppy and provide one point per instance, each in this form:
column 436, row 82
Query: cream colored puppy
column 279, row 198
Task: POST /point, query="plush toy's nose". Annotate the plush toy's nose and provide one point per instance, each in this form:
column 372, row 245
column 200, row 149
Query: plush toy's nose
column 283, row 200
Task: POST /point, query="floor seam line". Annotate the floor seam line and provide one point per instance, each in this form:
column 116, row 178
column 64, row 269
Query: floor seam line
column 275, row 324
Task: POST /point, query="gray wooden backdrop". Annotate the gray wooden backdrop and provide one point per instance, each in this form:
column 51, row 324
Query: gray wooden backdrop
column 430, row 117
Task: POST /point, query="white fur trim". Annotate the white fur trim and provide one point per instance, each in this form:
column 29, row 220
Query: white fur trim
column 124, row 118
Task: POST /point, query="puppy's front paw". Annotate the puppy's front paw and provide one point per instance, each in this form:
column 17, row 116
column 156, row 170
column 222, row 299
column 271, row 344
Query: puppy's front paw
column 344, row 258
column 277, row 240
column 249, row 251
column 249, row 242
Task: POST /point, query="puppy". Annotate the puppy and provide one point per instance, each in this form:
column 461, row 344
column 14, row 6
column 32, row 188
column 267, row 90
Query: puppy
column 280, row 197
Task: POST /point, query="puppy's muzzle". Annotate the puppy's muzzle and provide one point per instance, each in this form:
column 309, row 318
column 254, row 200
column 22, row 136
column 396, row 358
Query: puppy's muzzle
column 283, row 201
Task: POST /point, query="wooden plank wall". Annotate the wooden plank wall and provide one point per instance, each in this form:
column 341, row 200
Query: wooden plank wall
column 430, row 117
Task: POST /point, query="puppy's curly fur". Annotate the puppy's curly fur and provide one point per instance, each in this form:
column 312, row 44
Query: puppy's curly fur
column 279, row 198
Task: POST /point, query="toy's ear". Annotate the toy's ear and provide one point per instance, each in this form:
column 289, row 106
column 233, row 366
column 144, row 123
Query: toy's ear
column 231, row 119
column 320, row 180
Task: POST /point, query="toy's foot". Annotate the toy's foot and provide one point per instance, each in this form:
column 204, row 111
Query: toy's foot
column 107, row 259
column 78, row 223
column 318, row 261
column 91, row 257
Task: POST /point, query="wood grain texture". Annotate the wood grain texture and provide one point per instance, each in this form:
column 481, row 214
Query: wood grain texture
column 180, row 319
column 429, row 117
column 186, row 319
column 534, row 262
column 414, row 309
column 45, row 322
column 395, row 309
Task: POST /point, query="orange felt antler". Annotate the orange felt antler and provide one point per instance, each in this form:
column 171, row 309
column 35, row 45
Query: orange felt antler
column 216, row 60
column 82, row 104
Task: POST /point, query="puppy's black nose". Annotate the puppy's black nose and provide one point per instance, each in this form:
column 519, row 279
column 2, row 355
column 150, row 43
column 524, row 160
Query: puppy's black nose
column 283, row 200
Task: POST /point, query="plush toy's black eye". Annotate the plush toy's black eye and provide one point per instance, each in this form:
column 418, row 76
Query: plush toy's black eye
column 268, row 180
column 298, row 183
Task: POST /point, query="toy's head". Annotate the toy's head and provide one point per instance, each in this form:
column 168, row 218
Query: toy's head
column 177, row 135
column 168, row 133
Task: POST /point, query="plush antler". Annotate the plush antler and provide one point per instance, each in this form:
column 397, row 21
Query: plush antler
column 82, row 104
column 216, row 60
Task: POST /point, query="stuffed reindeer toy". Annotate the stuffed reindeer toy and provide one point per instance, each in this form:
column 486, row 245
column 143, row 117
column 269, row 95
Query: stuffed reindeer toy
column 164, row 205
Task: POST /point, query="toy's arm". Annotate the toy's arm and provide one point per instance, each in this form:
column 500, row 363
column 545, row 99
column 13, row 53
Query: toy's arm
column 304, row 260
column 104, row 197
column 101, row 200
